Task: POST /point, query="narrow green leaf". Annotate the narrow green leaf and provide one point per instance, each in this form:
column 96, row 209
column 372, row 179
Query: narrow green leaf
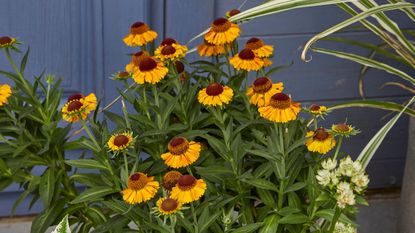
column 294, row 219
column 367, row 153
column 86, row 164
column 63, row 226
column 249, row 228
column 93, row 194
column 47, row 187
column 261, row 183
column 41, row 223
column 270, row 224
column 391, row 106
column 295, row 187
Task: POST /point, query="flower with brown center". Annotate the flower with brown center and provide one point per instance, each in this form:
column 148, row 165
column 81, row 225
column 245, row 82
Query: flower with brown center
column 317, row 110
column 122, row 75
column 168, row 206
column 281, row 109
column 170, row 179
column 181, row 153
column 120, row 142
column 5, row 93
column 140, row 34
column 232, row 13
column 150, row 71
column 343, row 129
column 136, row 58
column 246, row 60
column 222, row 32
column 141, row 188
column 78, row 107
column 215, row 95
column 261, row 91
column 170, row 50
column 188, row 189
column 320, row 141
column 259, row 47
column 207, row 49
column 7, row 42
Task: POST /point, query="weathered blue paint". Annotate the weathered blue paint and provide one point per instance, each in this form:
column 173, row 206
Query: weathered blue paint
column 82, row 42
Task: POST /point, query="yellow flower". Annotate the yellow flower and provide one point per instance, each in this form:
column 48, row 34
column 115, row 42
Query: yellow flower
column 207, row 49
column 222, row 32
column 150, row 71
column 170, row 179
column 281, row 109
column 320, row 141
column 267, row 62
column 215, row 94
column 232, row 13
column 141, row 188
column 181, row 153
column 140, row 34
column 5, row 93
column 169, row 49
column 246, row 60
column 168, row 206
column 344, row 129
column 7, row 42
column 188, row 189
column 79, row 106
column 121, row 141
column 261, row 91
column 136, row 58
column 259, row 48
column 317, row 109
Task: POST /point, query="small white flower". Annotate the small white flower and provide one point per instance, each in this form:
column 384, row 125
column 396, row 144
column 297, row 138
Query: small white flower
column 347, row 167
column 334, row 178
column 360, row 180
column 344, row 228
column 346, row 197
column 343, row 187
column 323, row 177
column 329, row 164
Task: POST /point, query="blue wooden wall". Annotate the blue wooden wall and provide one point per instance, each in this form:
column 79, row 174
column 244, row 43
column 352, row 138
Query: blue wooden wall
column 81, row 41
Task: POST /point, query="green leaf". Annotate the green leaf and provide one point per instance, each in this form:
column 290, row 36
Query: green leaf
column 86, row 164
column 294, row 219
column 207, row 219
column 370, row 149
column 270, row 224
column 367, row 62
column 41, row 223
column 63, row 226
column 93, row 194
column 217, row 146
column 295, row 187
column 24, row 61
column 47, row 187
column 249, row 228
column 373, row 104
column 263, row 184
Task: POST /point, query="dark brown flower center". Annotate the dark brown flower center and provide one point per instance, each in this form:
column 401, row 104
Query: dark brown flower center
column 280, row 100
column 168, row 41
column 179, row 67
column 137, row 181
column 5, row 40
column 76, row 96
column 315, row 107
column 169, row 204
column 187, row 182
column 246, row 54
column 168, row 50
column 121, row 140
column 170, row 179
column 262, row 85
column 138, row 56
column 178, row 146
column 147, row 64
column 234, row 12
column 342, row 127
column 254, row 43
column 139, row 28
column 123, row 74
column 214, row 89
column 74, row 105
column 221, row 25
column 321, row 134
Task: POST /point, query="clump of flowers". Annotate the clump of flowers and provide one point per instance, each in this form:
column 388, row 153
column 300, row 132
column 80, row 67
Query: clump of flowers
column 345, row 181
column 344, row 228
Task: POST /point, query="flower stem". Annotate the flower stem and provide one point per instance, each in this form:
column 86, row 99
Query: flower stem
column 91, row 136
column 157, row 103
column 338, row 147
column 194, row 218
column 336, row 217
column 124, row 110
column 126, row 165
column 315, row 123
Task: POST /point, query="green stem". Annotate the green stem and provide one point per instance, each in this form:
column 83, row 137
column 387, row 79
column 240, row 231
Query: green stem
column 91, row 136
column 125, row 113
column 194, row 218
column 157, row 103
column 338, row 147
column 315, row 123
column 146, row 101
column 336, row 217
column 126, row 165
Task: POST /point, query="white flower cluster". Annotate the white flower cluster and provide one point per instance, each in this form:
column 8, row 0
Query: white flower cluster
column 346, row 181
column 344, row 228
